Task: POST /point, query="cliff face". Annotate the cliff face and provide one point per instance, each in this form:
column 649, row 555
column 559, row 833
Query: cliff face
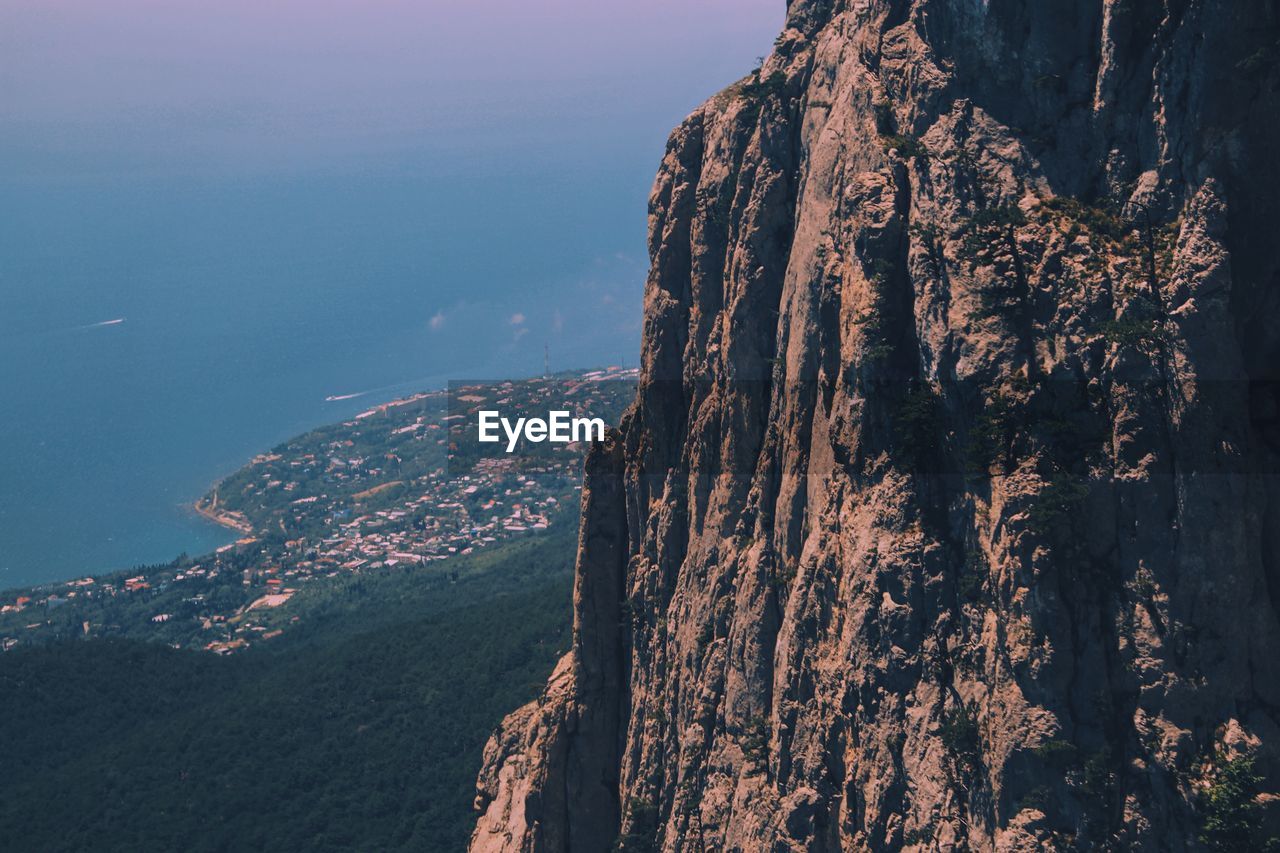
column 947, row 515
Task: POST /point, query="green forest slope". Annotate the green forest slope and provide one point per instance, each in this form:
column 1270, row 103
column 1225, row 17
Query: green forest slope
column 361, row 732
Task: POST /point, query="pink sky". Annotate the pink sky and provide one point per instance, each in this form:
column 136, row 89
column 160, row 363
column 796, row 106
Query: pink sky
column 290, row 78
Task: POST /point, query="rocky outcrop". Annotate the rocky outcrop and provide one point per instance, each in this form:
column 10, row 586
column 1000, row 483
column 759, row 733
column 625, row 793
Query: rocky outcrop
column 550, row 777
column 947, row 515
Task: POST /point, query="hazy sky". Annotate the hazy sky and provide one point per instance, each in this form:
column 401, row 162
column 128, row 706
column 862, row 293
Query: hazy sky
column 153, row 86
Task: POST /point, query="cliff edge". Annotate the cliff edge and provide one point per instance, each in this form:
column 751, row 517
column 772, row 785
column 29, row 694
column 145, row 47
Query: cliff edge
column 947, row 515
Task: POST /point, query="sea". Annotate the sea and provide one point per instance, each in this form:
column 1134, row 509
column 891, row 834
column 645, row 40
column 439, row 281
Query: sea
column 154, row 337
column 215, row 218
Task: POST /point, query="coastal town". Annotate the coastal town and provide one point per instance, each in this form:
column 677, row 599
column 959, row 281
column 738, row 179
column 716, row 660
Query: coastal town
column 401, row 487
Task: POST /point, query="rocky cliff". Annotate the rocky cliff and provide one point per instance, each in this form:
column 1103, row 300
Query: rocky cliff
column 947, row 515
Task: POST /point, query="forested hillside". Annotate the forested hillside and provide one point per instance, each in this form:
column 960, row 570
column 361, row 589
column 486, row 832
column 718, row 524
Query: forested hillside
column 362, row 731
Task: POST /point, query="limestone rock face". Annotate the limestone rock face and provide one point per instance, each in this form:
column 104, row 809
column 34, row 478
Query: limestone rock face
column 947, row 515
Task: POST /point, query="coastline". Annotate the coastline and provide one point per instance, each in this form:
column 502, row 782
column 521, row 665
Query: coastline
column 207, row 507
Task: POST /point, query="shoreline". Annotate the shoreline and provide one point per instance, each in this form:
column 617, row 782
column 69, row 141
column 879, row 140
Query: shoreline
column 206, row 507
column 210, row 511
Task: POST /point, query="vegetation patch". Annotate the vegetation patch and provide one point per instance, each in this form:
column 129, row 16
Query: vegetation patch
column 1057, row 504
column 961, row 738
column 755, row 743
column 1059, row 754
column 1141, row 327
column 874, row 320
column 971, row 582
column 641, row 835
column 1231, row 813
column 757, row 89
column 992, row 434
column 1096, row 219
column 910, row 147
column 917, row 428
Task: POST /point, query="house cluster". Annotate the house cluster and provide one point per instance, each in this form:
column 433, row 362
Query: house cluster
column 438, row 518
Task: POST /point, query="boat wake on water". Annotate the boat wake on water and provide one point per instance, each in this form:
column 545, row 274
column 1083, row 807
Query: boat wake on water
column 104, row 323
